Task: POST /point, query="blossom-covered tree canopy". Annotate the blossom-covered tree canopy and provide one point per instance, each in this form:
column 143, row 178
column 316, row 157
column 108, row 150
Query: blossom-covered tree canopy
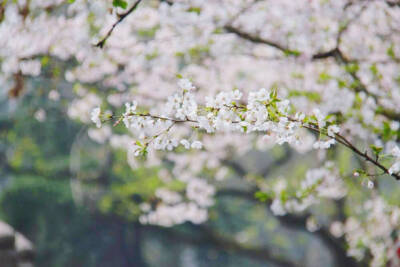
column 190, row 88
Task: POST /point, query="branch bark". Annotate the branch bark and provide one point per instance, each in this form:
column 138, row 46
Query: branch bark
column 122, row 16
column 257, row 39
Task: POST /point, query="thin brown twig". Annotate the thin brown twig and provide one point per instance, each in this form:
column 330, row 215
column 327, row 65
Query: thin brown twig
column 342, row 140
column 368, row 158
column 122, row 16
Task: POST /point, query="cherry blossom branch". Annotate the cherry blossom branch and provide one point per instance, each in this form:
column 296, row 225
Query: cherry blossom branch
column 368, row 158
column 342, row 140
column 263, row 112
column 258, row 39
column 122, row 16
column 148, row 115
column 339, row 138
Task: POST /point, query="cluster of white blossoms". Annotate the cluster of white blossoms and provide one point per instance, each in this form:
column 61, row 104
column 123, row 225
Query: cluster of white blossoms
column 100, row 135
column 372, row 232
column 176, row 209
column 95, row 116
column 395, row 168
column 331, row 131
column 170, row 215
column 84, row 107
column 320, row 183
column 263, row 112
column 201, row 192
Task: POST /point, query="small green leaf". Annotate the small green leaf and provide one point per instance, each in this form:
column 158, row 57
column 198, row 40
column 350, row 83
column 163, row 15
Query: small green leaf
column 313, row 96
column 352, row 68
column 144, row 151
column 284, row 196
column 218, row 30
column 374, row 69
column 44, row 61
column 273, row 94
column 151, row 56
column 138, row 143
column 387, row 131
column 390, row 52
column 196, row 10
column 261, row 196
column 328, row 117
column 341, row 83
column 376, row 149
column 295, row 53
column 120, row 3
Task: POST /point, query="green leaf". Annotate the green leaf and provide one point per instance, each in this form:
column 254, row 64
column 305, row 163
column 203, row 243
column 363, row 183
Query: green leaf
column 261, row 196
column 120, row 3
column 284, row 196
column 376, row 149
column 196, row 10
column 44, row 61
column 374, row 69
column 390, row 52
column 313, row 96
column 148, row 33
column 387, row 131
column 295, row 53
column 138, row 143
column 273, row 94
column 352, row 68
column 144, row 152
column 306, row 119
column 397, row 79
column 151, row 56
column 328, row 117
column 341, row 83
column 324, row 77
column 218, row 30
column 297, row 75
